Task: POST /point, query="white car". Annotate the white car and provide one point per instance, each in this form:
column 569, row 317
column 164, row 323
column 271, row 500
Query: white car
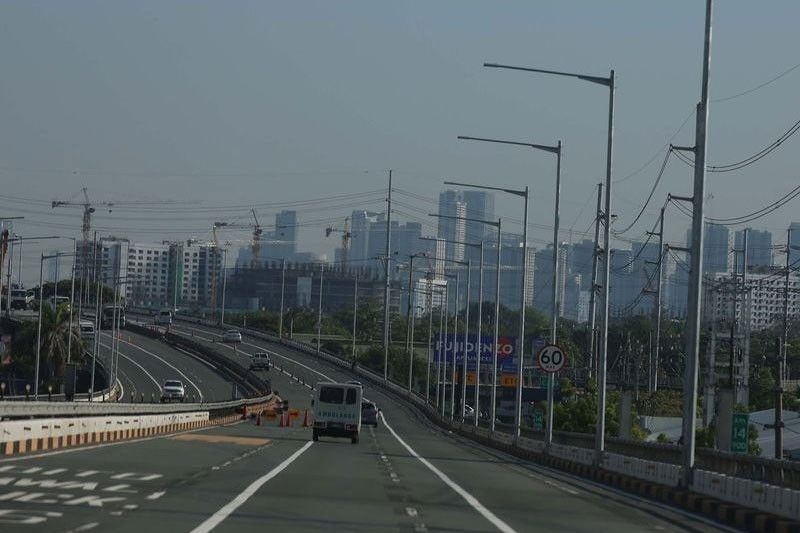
column 172, row 391
column 231, row 336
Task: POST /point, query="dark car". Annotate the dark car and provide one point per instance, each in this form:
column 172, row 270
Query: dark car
column 369, row 413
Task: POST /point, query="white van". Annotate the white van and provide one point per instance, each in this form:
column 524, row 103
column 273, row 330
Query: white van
column 164, row 317
column 337, row 411
column 86, row 330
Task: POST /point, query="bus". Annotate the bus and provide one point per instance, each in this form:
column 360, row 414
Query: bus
column 108, row 317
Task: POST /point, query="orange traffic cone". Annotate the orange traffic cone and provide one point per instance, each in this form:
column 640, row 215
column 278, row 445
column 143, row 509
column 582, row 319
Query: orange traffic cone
column 283, row 420
column 244, row 412
column 258, row 419
column 306, row 421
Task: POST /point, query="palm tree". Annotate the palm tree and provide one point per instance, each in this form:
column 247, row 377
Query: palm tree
column 55, row 340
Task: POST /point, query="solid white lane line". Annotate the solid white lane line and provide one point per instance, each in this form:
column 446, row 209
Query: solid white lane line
column 469, row 498
column 176, row 369
column 153, row 379
column 217, row 518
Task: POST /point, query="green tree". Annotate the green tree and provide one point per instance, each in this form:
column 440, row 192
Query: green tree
column 56, row 334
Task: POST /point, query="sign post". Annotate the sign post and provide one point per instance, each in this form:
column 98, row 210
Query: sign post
column 739, row 432
column 551, row 359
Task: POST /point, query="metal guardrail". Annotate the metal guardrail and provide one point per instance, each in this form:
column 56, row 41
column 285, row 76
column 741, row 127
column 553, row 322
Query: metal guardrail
column 780, row 472
column 224, row 365
column 72, row 409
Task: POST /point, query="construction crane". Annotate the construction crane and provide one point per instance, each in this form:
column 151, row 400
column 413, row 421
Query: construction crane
column 255, row 243
column 88, row 209
column 346, row 236
column 255, row 247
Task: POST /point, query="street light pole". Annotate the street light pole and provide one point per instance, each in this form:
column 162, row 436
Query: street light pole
column 39, row 330
column 523, row 293
column 499, row 226
column 388, row 258
column 283, row 285
column 601, row 400
column 554, row 319
column 430, row 345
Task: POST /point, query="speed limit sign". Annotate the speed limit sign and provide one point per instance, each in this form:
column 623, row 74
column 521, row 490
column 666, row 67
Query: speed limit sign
column 551, row 358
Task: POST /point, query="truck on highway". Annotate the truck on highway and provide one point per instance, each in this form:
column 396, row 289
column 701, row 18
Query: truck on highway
column 108, row 316
column 164, row 317
column 19, row 299
column 337, row 411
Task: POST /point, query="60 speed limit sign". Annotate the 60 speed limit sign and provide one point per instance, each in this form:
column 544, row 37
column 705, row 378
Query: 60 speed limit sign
column 551, row 358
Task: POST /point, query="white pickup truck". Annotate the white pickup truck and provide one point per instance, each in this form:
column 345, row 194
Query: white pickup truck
column 337, row 411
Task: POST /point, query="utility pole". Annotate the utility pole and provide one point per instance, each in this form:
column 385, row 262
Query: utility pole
column 781, row 367
column 355, row 314
column 319, row 310
column 430, row 343
column 283, row 287
column 696, row 271
column 785, row 333
column 466, row 343
column 442, row 343
column 591, row 341
column 652, row 383
column 409, row 310
column 386, row 281
column 455, row 350
column 479, row 344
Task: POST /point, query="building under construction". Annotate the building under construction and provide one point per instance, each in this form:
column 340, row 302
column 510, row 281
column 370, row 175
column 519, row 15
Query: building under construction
column 260, row 288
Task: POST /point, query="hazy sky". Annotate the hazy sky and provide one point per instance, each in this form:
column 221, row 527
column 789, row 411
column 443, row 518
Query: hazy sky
column 216, row 104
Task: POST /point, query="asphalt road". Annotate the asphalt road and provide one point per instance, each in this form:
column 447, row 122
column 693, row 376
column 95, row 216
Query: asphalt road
column 145, row 363
column 405, row 475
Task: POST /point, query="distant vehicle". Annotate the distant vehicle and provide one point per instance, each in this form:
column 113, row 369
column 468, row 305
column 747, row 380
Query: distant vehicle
column 231, row 336
column 469, row 412
column 86, row 330
column 57, row 301
column 109, row 315
column 260, row 361
column 172, row 391
column 19, row 299
column 369, row 413
column 337, row 411
column 164, row 317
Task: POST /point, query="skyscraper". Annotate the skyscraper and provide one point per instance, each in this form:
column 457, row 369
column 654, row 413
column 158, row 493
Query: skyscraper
column 759, row 247
column 480, row 205
column 285, row 234
column 794, row 251
column 451, row 204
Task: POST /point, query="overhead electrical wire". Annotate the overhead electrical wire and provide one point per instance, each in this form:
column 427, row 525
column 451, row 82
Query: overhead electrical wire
column 649, row 196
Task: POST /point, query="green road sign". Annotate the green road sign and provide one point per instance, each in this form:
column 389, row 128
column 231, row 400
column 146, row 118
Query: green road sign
column 538, row 420
column 739, row 432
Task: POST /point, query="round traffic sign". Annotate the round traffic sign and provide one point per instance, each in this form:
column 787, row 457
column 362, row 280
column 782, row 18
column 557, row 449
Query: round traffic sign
column 551, row 358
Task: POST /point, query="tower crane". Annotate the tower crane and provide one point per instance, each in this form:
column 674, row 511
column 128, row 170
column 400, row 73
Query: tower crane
column 88, row 209
column 346, row 236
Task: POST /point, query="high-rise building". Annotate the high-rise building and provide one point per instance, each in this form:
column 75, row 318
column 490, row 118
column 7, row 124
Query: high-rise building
column 480, row 206
column 359, row 235
column 716, row 248
column 451, row 204
column 759, row 248
column 794, row 251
